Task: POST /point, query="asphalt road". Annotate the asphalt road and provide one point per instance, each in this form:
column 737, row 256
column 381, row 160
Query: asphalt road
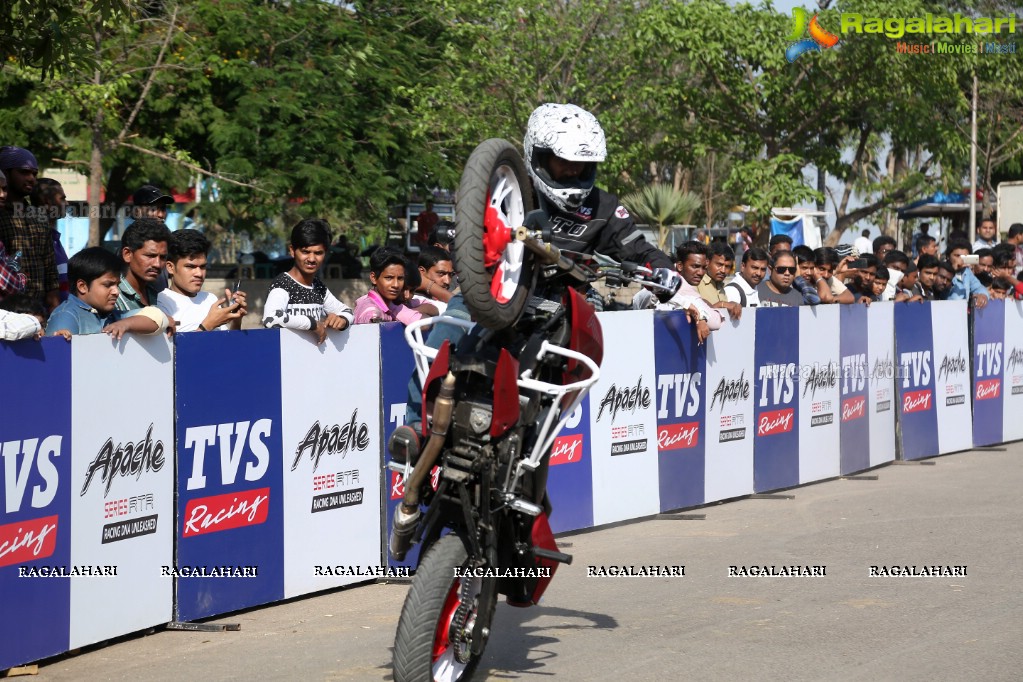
column 965, row 510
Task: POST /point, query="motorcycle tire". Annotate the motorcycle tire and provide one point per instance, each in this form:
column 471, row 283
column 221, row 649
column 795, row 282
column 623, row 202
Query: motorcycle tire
column 423, row 650
column 495, row 194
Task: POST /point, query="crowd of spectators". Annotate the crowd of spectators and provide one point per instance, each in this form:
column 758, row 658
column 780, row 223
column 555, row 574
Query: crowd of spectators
column 155, row 281
column 787, row 276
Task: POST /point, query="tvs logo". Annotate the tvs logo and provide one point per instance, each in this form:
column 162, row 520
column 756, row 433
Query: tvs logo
column 685, row 398
column 678, row 436
column 332, row 440
column 819, row 38
column 854, row 373
column 730, row 390
column 989, row 359
column 988, row 389
column 778, row 421
column 34, row 455
column 916, row 401
column 779, row 380
column 916, row 368
column 234, row 509
column 127, row 459
column 854, row 408
column 567, row 450
column 952, row 365
column 624, row 399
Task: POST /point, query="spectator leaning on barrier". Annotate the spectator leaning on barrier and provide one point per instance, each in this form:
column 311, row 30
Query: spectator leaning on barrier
column 743, row 289
column 985, row 261
column 806, row 281
column 691, row 262
column 435, row 272
column 95, row 274
column 712, row 286
column 943, row 280
column 880, row 283
column 965, row 285
column 987, row 234
column 831, row 271
column 1001, row 289
column 907, row 284
column 298, row 299
column 21, row 229
column 897, row 263
column 384, row 302
column 777, row 291
column 184, row 300
column 21, row 317
column 862, row 285
column 48, row 198
column 1005, row 266
column 928, row 271
column 144, row 250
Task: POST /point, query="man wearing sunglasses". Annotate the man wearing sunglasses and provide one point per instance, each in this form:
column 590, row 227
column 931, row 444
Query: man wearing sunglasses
column 777, row 291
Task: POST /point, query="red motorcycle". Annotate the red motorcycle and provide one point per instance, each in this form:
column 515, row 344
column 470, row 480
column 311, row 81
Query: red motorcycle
column 493, row 404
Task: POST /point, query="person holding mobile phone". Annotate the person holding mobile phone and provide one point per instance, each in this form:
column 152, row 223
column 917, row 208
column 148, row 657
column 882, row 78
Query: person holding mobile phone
column 184, row 300
column 965, row 284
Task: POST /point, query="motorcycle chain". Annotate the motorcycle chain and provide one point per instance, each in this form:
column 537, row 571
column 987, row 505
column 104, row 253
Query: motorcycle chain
column 462, row 639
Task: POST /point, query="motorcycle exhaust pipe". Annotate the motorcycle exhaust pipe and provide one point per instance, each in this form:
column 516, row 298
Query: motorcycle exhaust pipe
column 406, row 515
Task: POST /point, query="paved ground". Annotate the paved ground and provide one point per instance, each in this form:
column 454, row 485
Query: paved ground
column 966, row 509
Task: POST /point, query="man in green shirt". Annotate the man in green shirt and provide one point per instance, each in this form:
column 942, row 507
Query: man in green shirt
column 144, row 250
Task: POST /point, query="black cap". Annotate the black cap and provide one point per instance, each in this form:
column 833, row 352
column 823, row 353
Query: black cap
column 147, row 195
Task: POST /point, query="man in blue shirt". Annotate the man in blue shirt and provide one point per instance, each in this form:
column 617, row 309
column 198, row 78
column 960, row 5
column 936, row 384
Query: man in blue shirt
column 94, row 275
column 965, row 284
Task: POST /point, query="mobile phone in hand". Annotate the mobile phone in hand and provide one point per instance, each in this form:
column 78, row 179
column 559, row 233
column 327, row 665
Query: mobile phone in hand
column 234, row 290
column 858, row 264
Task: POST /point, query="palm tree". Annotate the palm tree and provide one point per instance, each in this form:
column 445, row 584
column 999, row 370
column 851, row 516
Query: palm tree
column 663, row 206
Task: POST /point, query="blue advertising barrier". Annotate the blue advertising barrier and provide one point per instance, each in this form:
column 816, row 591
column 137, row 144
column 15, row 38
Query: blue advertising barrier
column 914, row 352
column 230, row 468
column 681, row 364
column 855, row 385
column 35, row 517
column 396, row 369
column 988, row 372
column 776, row 387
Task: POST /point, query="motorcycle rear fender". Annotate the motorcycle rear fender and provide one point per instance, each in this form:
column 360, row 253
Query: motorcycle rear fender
column 438, row 370
column 543, row 538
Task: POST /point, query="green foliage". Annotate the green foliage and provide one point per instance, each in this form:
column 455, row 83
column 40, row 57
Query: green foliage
column 767, row 183
column 662, row 206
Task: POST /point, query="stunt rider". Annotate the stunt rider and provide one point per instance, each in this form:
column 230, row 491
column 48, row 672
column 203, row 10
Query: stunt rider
column 562, row 147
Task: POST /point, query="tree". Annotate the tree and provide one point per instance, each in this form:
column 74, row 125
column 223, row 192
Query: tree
column 662, row 206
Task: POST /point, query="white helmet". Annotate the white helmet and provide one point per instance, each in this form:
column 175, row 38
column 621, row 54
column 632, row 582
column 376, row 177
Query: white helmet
column 568, row 132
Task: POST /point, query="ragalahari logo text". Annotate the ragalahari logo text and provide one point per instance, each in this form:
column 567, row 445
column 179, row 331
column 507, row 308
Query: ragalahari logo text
column 819, row 38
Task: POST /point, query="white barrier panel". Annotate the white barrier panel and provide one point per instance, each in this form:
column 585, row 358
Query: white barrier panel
column 729, row 403
column 623, row 421
column 881, row 396
column 819, row 397
column 1012, row 402
column 952, row 381
column 331, row 441
column 122, row 485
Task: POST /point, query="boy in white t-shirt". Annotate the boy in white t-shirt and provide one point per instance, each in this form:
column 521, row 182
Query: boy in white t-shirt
column 184, row 300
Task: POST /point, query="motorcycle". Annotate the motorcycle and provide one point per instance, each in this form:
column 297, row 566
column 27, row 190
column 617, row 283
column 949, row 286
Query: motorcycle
column 493, row 405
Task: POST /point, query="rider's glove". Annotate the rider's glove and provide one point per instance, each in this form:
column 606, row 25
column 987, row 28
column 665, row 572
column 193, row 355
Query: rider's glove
column 666, row 278
column 594, row 298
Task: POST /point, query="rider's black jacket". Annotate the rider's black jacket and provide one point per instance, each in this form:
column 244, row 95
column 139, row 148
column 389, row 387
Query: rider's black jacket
column 604, row 226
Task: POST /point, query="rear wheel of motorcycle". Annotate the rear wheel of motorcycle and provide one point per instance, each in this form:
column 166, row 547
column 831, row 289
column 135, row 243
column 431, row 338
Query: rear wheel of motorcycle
column 495, row 194
column 426, row 646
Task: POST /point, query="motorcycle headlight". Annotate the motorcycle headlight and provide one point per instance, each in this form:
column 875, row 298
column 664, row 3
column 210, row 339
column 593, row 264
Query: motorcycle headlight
column 479, row 420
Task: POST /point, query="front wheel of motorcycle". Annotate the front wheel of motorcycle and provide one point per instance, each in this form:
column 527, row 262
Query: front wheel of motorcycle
column 495, row 274
column 441, row 616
